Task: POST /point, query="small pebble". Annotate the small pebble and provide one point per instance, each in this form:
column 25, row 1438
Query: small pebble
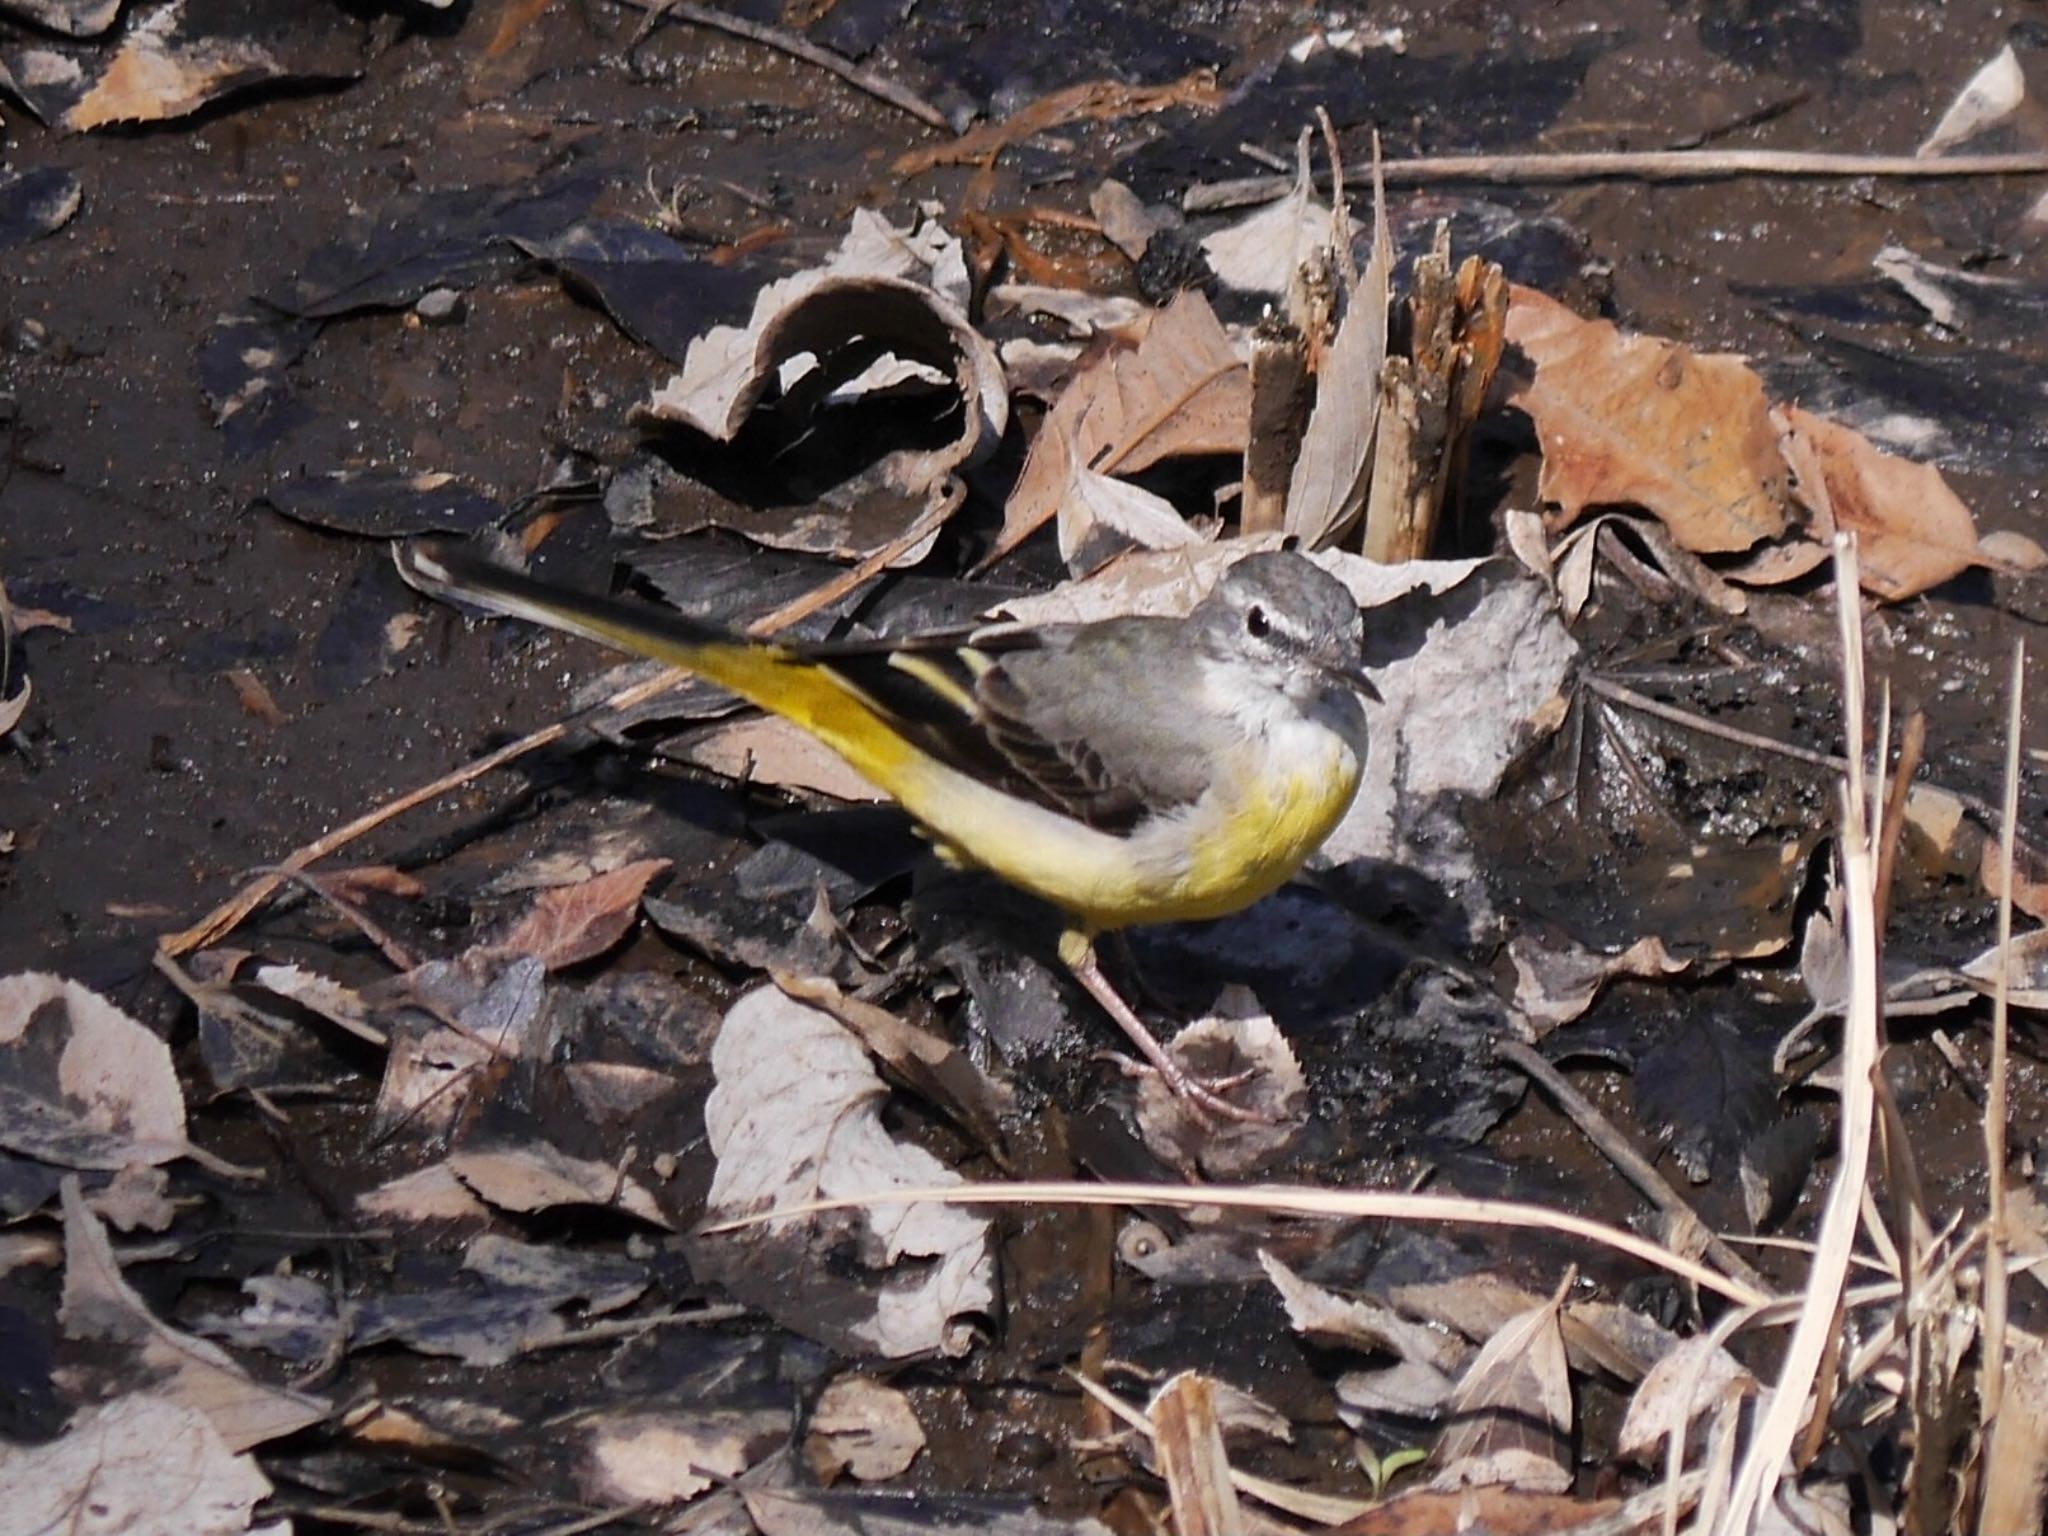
column 441, row 306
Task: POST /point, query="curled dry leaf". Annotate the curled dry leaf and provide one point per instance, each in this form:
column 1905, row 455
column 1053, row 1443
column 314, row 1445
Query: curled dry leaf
column 1637, row 421
column 1912, row 531
column 863, row 1429
column 902, row 293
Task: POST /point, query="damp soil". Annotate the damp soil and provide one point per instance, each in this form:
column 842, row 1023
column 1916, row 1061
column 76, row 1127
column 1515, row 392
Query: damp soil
column 142, row 788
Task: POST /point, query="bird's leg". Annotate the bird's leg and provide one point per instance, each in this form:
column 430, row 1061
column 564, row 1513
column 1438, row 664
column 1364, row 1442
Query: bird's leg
column 1077, row 953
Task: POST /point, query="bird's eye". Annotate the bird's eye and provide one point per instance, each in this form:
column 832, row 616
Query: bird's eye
column 1256, row 624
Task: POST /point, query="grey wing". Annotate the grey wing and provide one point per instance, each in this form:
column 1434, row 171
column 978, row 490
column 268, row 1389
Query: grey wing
column 1099, row 721
column 1091, row 721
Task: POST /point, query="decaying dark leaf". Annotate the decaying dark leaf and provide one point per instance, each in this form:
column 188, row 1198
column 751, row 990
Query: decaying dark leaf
column 36, row 203
column 99, row 1304
column 83, row 1085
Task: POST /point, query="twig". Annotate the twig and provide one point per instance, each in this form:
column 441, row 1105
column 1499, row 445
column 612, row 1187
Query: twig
column 1995, row 1276
column 1632, row 1165
column 1912, row 747
column 1636, row 165
column 1784, row 1414
column 1278, row 1199
column 881, row 87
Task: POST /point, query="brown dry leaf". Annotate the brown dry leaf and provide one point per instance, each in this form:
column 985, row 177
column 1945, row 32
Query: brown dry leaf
column 432, row 1193
column 141, row 1465
column 1177, row 389
column 254, row 695
column 2029, row 883
column 1912, row 531
column 863, row 1429
column 156, row 74
column 1496, row 1511
column 1637, row 421
column 574, row 923
column 1511, row 1416
column 767, row 749
column 82, row 1085
column 99, row 1304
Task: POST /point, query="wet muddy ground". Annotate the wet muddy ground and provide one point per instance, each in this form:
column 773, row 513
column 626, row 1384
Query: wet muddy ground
column 144, row 786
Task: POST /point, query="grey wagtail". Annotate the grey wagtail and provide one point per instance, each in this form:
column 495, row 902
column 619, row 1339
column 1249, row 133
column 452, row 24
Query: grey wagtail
column 1133, row 770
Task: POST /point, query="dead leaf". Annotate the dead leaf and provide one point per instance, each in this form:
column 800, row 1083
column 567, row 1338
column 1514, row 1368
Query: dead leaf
column 1512, row 1413
column 135, row 1199
column 1912, row 531
column 1638, row 421
column 767, row 749
column 2029, row 883
column 82, row 1085
column 903, row 292
column 1689, row 1381
column 1332, row 473
column 666, row 1458
column 539, row 1177
column 1237, row 1036
column 1992, row 95
column 1175, row 390
column 796, row 1115
column 142, row 1465
column 1319, row 1313
column 432, row 1193
column 100, row 1305
column 863, row 1429
column 1554, row 984
column 1262, row 252
column 574, row 923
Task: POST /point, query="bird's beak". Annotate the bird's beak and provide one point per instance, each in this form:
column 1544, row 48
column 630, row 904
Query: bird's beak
column 1354, row 678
